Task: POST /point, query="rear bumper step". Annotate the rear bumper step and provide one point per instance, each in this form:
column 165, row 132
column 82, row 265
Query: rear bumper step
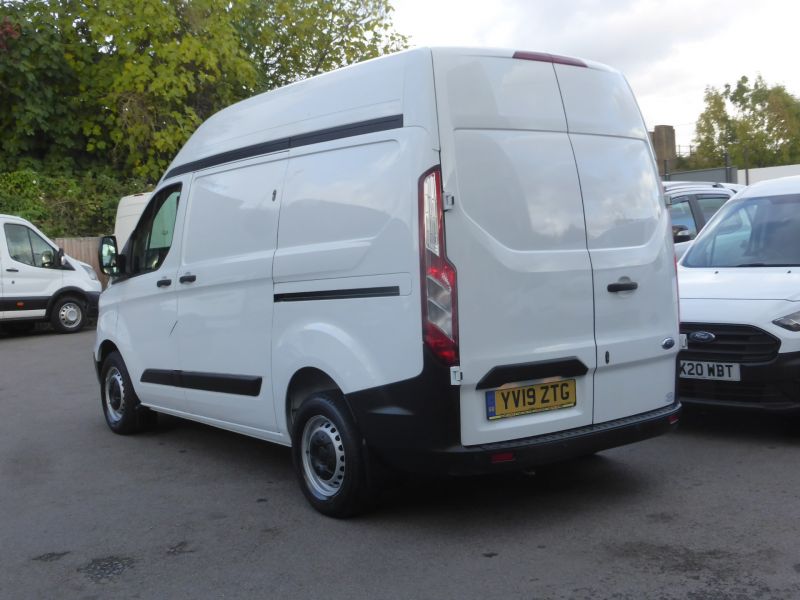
column 539, row 450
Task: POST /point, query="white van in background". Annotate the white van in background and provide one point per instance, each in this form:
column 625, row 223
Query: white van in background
column 444, row 260
column 39, row 283
column 129, row 210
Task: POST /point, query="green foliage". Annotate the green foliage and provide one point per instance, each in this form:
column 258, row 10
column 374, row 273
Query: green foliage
column 758, row 125
column 98, row 96
column 40, row 116
column 165, row 67
column 63, row 204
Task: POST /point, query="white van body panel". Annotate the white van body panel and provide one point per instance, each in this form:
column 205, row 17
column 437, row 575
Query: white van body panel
column 555, row 193
column 629, row 240
column 516, row 236
column 391, row 85
column 146, row 317
column 351, row 224
column 228, row 245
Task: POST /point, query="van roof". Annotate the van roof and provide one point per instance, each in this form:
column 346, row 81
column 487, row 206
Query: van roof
column 364, row 93
column 15, row 218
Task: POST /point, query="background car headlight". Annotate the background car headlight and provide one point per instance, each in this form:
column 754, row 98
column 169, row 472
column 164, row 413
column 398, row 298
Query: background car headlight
column 790, row 322
column 90, row 271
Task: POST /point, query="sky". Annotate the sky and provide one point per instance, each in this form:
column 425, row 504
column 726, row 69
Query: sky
column 670, row 50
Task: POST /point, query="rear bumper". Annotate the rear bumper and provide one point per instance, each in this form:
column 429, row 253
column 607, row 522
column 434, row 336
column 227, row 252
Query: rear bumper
column 768, row 386
column 539, row 450
column 414, row 426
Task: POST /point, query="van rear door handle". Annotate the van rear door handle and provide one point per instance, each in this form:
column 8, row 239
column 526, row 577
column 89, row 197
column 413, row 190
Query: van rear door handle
column 13, row 270
column 622, row 286
column 187, row 278
column 164, row 282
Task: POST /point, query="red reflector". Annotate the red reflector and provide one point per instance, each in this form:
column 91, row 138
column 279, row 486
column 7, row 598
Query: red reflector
column 673, row 419
column 551, row 58
column 501, row 457
column 20, row 304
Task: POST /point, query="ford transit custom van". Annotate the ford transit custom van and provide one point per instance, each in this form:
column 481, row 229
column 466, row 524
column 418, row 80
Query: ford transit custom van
column 450, row 261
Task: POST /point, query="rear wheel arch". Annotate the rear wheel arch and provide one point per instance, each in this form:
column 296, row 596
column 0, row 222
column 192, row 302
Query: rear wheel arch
column 303, row 384
column 106, row 348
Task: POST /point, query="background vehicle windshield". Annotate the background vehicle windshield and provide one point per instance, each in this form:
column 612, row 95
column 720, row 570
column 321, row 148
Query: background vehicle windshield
column 754, row 232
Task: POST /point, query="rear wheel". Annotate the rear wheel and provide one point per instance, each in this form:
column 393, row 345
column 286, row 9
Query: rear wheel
column 68, row 315
column 123, row 412
column 329, row 457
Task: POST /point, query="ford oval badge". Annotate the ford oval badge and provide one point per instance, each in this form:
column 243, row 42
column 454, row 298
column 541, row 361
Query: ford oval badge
column 702, row 337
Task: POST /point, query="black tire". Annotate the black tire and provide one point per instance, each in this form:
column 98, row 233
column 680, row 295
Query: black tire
column 68, row 315
column 330, row 459
column 121, row 407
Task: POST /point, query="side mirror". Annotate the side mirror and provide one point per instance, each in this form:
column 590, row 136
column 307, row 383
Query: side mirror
column 107, row 256
column 60, row 260
column 47, row 259
column 681, row 233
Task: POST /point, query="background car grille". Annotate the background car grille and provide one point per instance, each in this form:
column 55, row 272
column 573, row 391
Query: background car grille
column 732, row 343
column 730, row 391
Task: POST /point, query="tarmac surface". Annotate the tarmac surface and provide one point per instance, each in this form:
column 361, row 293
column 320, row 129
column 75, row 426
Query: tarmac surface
column 188, row 511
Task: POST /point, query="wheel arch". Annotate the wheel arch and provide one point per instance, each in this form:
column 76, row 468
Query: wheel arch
column 65, row 291
column 304, row 382
column 103, row 350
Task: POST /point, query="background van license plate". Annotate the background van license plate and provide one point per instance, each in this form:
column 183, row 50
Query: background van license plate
column 510, row 402
column 701, row 369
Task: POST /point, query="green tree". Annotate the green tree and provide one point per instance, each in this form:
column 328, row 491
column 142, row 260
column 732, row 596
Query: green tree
column 756, row 124
column 126, row 82
column 40, row 117
column 97, row 96
column 155, row 70
column 290, row 40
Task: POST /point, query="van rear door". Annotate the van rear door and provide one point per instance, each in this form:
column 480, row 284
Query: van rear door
column 630, row 244
column 517, row 239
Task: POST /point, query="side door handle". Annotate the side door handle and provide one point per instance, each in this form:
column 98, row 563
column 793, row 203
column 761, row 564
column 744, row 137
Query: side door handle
column 187, row 278
column 622, row 286
column 13, row 270
column 164, row 282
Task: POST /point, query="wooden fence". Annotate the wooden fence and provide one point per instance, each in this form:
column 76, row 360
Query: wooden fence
column 84, row 249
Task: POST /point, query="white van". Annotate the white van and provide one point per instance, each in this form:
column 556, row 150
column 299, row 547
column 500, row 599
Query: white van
column 129, row 210
column 39, row 283
column 445, row 260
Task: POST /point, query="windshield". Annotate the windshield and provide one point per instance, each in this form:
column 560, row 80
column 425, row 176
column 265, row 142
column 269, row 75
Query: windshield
column 750, row 232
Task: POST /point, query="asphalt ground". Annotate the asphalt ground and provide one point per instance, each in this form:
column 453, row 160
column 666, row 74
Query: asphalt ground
column 188, row 511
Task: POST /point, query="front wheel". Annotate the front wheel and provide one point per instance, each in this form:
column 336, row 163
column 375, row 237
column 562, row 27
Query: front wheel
column 68, row 315
column 121, row 407
column 329, row 458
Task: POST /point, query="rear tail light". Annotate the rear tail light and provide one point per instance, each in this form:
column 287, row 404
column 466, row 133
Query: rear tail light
column 438, row 275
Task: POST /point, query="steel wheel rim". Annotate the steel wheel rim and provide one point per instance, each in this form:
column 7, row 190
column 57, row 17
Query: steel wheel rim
column 114, row 387
column 322, row 449
column 70, row 314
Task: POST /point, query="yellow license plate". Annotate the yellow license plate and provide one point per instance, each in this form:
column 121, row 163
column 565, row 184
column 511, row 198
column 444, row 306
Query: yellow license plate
column 514, row 401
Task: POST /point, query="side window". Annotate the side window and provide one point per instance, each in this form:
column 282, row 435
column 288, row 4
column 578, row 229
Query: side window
column 681, row 214
column 709, row 205
column 27, row 247
column 152, row 238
